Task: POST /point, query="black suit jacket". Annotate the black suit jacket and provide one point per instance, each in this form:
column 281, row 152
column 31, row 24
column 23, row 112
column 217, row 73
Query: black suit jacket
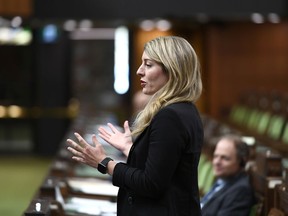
column 160, row 177
column 236, row 198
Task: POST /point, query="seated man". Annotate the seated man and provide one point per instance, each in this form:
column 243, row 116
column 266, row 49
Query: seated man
column 232, row 193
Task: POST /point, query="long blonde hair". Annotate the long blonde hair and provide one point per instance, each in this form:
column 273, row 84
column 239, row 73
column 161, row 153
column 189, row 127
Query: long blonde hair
column 181, row 63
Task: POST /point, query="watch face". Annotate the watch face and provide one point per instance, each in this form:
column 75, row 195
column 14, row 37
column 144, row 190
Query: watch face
column 102, row 168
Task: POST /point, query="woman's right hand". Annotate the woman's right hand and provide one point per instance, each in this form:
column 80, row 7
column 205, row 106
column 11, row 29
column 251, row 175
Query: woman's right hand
column 120, row 140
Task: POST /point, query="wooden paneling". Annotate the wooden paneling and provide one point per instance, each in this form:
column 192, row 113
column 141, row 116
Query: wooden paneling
column 16, row 8
column 244, row 57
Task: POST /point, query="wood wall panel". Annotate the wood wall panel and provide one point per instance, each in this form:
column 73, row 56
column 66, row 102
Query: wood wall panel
column 243, row 57
column 16, row 8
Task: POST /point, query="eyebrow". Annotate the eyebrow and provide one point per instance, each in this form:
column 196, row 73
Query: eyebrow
column 221, row 156
column 147, row 59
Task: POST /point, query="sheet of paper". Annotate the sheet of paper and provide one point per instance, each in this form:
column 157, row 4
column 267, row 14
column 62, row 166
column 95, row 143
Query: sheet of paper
column 90, row 206
column 93, row 186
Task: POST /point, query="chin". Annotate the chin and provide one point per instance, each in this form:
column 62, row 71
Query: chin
column 146, row 92
column 219, row 174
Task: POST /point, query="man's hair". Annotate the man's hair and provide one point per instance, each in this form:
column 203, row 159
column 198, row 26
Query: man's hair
column 242, row 149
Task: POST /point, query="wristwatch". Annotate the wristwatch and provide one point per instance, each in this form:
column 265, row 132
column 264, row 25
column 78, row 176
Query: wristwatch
column 102, row 166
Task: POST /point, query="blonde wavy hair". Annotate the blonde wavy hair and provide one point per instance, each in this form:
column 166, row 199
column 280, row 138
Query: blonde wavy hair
column 180, row 62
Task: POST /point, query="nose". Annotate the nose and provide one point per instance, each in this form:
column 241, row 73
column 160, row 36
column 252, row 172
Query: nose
column 216, row 160
column 140, row 71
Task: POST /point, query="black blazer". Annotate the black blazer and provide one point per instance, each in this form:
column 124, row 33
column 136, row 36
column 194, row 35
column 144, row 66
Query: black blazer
column 160, row 177
column 236, row 198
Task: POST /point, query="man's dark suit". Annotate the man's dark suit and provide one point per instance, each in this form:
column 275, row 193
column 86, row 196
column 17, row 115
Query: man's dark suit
column 235, row 199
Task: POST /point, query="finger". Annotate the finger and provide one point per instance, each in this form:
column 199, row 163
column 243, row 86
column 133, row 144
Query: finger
column 81, row 140
column 104, row 132
column 126, row 126
column 125, row 123
column 94, row 140
column 74, row 145
column 79, row 159
column 75, row 152
column 104, row 137
column 112, row 128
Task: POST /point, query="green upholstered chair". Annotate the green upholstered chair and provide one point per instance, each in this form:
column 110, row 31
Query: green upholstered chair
column 275, row 127
column 205, row 174
column 284, row 138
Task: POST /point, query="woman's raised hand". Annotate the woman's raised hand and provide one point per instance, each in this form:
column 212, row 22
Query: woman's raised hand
column 120, row 140
column 84, row 152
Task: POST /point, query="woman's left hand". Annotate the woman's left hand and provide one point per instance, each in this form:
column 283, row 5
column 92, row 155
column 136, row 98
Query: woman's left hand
column 119, row 140
column 84, row 152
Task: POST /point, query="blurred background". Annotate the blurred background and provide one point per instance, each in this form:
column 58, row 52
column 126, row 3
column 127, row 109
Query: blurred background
column 64, row 63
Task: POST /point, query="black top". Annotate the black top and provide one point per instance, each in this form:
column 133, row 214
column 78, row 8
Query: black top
column 160, row 177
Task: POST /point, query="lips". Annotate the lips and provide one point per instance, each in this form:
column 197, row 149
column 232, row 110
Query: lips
column 217, row 168
column 143, row 83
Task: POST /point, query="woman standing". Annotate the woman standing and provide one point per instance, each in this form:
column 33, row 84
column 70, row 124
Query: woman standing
column 160, row 175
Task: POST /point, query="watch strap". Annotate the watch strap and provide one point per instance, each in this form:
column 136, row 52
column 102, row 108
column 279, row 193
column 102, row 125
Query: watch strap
column 102, row 166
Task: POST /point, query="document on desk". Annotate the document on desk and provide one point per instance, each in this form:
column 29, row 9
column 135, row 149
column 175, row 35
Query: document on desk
column 90, row 206
column 74, row 205
column 92, row 186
